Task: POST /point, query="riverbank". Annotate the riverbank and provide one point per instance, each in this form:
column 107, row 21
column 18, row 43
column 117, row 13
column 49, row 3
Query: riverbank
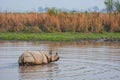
column 60, row 36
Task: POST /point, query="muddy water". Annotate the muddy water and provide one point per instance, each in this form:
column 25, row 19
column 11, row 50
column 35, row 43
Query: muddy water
column 78, row 61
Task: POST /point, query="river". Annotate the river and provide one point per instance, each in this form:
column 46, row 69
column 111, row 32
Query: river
column 78, row 61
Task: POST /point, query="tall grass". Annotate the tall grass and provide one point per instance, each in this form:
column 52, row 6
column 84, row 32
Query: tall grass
column 62, row 22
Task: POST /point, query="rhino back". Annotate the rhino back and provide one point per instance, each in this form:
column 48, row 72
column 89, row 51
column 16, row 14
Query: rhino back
column 38, row 58
column 45, row 59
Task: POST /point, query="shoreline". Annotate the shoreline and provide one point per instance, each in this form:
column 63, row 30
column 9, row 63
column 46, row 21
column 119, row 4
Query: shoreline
column 60, row 37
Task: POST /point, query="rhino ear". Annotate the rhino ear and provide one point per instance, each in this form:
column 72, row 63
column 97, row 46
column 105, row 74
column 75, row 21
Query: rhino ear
column 50, row 52
column 56, row 53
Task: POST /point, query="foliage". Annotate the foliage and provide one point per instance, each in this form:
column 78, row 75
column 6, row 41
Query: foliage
column 109, row 5
column 117, row 5
column 112, row 5
column 53, row 11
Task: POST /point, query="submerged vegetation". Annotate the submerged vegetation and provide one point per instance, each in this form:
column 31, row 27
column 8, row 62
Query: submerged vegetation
column 55, row 21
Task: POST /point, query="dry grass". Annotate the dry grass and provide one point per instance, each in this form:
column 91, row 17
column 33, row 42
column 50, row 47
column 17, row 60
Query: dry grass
column 62, row 22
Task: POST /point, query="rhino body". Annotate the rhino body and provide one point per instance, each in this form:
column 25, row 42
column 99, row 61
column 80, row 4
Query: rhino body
column 37, row 58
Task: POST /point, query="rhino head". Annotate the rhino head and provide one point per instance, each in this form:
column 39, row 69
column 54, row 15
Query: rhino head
column 54, row 57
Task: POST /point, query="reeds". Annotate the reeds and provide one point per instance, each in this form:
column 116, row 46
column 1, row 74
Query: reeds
column 62, row 22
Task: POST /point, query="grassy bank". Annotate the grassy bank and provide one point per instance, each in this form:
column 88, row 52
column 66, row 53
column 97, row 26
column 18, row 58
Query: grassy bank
column 58, row 36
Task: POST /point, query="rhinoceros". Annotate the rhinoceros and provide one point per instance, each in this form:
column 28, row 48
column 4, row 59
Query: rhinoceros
column 37, row 58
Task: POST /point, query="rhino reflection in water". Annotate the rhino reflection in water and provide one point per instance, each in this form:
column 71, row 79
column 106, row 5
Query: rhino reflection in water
column 37, row 58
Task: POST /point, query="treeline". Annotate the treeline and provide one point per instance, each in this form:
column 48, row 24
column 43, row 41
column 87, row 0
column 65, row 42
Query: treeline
column 62, row 22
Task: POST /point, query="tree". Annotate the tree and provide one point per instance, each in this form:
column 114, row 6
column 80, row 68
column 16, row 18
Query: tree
column 54, row 11
column 112, row 5
column 109, row 5
column 95, row 8
column 41, row 9
column 117, row 6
